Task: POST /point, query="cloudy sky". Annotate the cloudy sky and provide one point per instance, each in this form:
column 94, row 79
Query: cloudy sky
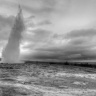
column 55, row 29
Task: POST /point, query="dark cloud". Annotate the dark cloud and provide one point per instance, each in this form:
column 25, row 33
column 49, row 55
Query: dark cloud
column 5, row 26
column 53, row 55
column 4, row 33
column 30, row 22
column 42, row 56
column 68, row 53
column 64, row 16
column 81, row 33
column 39, row 7
column 79, row 41
column 38, row 35
column 78, row 48
column 6, row 21
column 36, row 38
column 45, row 22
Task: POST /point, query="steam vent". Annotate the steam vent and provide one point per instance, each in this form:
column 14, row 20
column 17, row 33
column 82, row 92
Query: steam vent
column 11, row 52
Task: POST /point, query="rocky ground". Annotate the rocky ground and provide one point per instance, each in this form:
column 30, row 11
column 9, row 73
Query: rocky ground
column 48, row 80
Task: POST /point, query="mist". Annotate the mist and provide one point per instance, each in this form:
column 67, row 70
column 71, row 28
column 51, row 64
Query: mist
column 11, row 52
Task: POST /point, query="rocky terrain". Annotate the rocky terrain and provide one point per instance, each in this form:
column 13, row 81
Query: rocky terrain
column 48, row 80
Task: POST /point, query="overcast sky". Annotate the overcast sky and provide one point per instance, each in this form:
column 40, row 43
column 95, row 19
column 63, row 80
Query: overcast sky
column 55, row 29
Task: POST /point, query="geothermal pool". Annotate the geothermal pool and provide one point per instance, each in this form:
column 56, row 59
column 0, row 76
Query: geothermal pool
column 45, row 80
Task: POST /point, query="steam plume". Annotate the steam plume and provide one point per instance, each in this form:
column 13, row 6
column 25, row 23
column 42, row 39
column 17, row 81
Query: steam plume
column 11, row 52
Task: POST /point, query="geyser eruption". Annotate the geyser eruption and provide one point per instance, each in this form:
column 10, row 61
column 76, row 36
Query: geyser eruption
column 11, row 52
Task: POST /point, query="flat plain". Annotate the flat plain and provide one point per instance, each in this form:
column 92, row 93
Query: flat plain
column 47, row 80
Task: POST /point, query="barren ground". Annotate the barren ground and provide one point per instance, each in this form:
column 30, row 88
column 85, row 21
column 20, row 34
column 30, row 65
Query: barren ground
column 41, row 80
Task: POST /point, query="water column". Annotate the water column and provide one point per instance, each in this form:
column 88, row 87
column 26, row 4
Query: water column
column 11, row 52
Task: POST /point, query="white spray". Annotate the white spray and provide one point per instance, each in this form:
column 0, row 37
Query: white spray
column 11, row 52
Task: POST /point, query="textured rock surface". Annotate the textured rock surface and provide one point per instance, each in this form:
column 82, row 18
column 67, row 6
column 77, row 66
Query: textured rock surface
column 47, row 81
